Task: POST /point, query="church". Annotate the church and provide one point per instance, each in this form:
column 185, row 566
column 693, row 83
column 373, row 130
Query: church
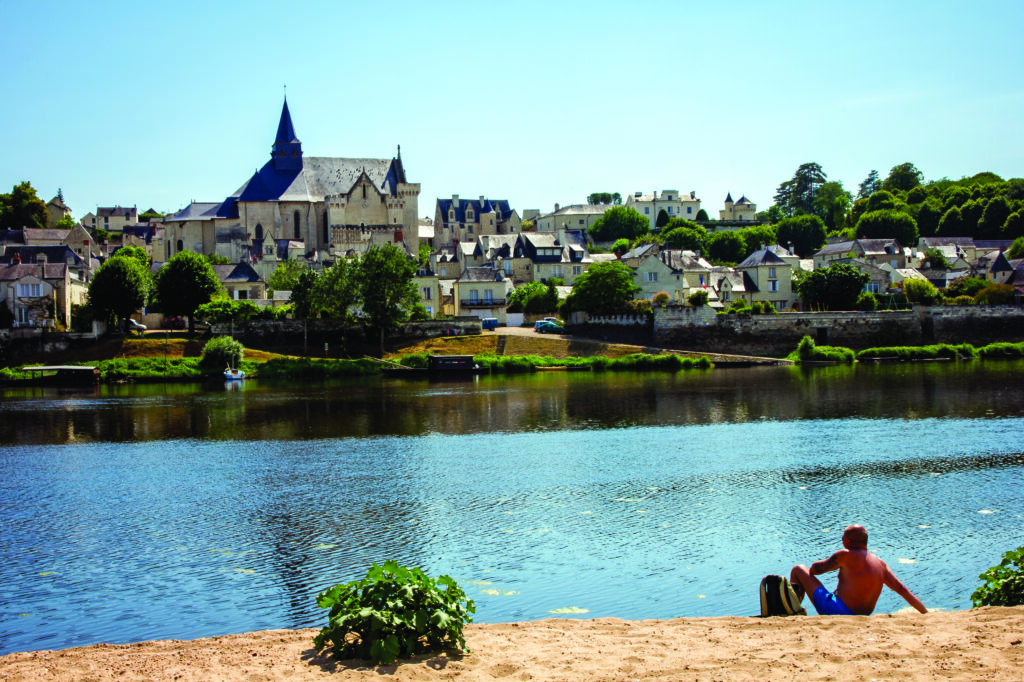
column 311, row 208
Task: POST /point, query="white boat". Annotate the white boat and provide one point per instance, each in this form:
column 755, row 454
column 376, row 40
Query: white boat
column 232, row 374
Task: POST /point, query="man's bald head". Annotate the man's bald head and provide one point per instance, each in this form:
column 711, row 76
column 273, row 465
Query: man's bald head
column 855, row 537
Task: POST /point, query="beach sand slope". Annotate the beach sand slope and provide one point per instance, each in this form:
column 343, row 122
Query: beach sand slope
column 981, row 644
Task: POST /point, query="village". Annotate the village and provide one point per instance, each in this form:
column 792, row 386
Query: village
column 472, row 254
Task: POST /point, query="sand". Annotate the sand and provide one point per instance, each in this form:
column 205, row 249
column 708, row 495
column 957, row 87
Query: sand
column 982, row 644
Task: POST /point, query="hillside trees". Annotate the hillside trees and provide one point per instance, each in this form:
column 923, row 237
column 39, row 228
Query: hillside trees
column 619, row 222
column 806, row 233
column 22, row 208
column 837, row 287
column 796, row 196
column 888, row 224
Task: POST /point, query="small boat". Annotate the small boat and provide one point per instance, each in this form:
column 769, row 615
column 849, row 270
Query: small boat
column 64, row 375
column 233, row 374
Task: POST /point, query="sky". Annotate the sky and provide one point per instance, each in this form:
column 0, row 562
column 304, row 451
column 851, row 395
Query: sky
column 158, row 104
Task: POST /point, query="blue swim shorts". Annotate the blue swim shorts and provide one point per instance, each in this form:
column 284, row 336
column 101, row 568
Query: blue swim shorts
column 829, row 604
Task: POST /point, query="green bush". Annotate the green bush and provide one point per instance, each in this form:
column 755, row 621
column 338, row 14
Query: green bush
column 1002, row 350
column 807, row 351
column 221, row 352
column 227, row 310
column 769, row 309
column 960, row 300
column 995, row 294
column 1003, row 584
column 938, row 351
column 756, row 308
column 867, row 302
column 316, row 368
column 415, row 360
column 698, row 298
column 394, row 612
column 920, row 291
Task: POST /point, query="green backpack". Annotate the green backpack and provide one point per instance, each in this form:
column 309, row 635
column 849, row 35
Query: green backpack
column 778, row 598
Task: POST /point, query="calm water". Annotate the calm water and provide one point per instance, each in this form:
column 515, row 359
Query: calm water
column 149, row 512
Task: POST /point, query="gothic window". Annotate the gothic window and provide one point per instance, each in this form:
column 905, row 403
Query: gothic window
column 181, row 246
column 259, row 231
column 327, row 231
column 295, row 219
column 364, row 191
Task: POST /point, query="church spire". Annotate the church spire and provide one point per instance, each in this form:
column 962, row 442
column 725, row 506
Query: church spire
column 287, row 151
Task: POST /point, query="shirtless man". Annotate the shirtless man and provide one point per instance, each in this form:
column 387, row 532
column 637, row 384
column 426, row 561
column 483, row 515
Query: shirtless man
column 861, row 576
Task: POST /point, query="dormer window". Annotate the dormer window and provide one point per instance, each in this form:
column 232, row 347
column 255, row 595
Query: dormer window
column 451, row 215
column 469, row 215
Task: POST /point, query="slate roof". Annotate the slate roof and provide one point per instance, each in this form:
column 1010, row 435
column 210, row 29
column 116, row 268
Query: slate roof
column 197, row 210
column 54, row 254
column 744, row 201
column 12, row 236
column 237, row 273
column 121, row 211
column 1000, row 264
column 33, row 234
column 638, row 251
column 728, row 198
column 868, row 246
column 502, row 209
column 762, row 257
column 682, row 261
column 12, row 273
column 482, row 274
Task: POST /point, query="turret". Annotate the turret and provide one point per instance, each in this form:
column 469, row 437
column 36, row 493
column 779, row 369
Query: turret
column 287, row 151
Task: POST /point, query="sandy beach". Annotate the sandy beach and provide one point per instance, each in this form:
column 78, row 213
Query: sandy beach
column 981, row 644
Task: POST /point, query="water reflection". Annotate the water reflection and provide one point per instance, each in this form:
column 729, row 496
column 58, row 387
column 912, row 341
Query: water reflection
column 541, row 402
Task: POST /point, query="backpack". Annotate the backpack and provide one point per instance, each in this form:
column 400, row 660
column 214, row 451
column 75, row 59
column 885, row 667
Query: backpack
column 778, row 598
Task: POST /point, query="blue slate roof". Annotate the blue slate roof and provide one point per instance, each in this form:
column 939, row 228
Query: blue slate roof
column 501, row 208
column 285, row 129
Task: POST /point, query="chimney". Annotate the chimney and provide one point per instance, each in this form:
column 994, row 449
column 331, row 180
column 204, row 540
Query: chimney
column 556, row 207
column 455, row 200
column 41, row 258
column 481, row 200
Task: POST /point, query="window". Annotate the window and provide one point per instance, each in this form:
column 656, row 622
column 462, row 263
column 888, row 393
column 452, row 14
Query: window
column 243, row 294
column 771, row 272
column 581, row 221
column 773, row 285
column 469, row 215
column 650, row 277
column 180, row 245
column 259, row 231
column 871, row 287
column 670, row 199
column 474, row 296
column 689, row 210
column 451, row 215
column 23, row 317
column 30, row 290
column 577, row 270
column 488, row 296
column 426, row 293
column 647, row 210
column 508, row 267
column 295, row 220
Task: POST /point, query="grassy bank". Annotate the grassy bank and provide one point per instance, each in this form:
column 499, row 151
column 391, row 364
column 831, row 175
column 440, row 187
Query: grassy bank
column 808, row 352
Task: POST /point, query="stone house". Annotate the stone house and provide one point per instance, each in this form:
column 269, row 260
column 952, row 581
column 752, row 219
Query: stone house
column 741, row 210
column 676, row 272
column 241, row 281
column 111, row 218
column 56, row 210
column 771, row 278
column 459, row 220
column 30, row 289
column 482, row 292
column 675, row 204
column 870, row 251
column 573, row 217
column 561, row 254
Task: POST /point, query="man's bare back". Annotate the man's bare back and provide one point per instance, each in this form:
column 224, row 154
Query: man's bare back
column 861, row 577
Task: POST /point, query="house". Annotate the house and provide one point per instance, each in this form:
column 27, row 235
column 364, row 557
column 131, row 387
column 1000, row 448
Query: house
column 147, row 236
column 56, row 210
column 241, row 281
column 952, row 247
column 562, row 254
column 870, row 251
column 676, row 272
column 428, row 285
column 31, row 290
column 81, row 267
column 675, row 204
column 507, row 254
column 111, row 218
column 573, row 217
column 458, row 220
column 771, row 276
column 482, row 292
column 742, row 210
column 44, row 237
column 1001, row 271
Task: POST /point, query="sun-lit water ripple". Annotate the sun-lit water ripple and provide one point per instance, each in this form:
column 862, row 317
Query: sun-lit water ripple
column 130, row 540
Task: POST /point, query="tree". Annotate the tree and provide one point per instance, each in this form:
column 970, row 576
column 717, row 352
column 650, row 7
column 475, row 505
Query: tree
column 726, row 247
column 970, row 215
column 337, row 289
column 184, row 283
column 216, row 259
column 534, row 298
column 619, row 222
column 662, row 219
column 285, row 276
column 527, row 226
column 702, row 216
column 603, row 289
column 965, row 285
column 698, row 298
column 65, row 223
column 604, row 198
column 993, row 218
column 806, row 234
column 920, row 291
column 22, row 208
column 928, row 217
column 870, row 185
column 831, row 205
column 120, row 287
column 386, row 288
column 1013, row 228
column 796, row 196
column 935, row 259
column 687, row 238
column 952, row 224
column 303, row 297
column 757, row 237
column 883, row 200
column 771, row 216
column 888, row 224
column 837, row 287
column 995, row 294
column 136, row 252
column 423, row 254
column 149, row 215
column 903, row 178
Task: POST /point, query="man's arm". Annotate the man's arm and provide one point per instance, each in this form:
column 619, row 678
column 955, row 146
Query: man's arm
column 826, row 565
column 897, row 586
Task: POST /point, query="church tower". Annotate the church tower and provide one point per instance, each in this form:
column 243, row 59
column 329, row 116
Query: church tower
column 287, row 151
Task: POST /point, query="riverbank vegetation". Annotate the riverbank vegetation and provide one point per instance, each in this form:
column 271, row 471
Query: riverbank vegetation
column 808, row 352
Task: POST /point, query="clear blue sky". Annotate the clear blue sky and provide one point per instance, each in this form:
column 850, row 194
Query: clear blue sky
column 157, row 104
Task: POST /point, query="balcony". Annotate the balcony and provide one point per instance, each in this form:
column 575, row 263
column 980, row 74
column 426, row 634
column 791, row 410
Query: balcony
column 482, row 303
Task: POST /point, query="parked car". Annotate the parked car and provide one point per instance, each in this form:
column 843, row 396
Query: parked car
column 552, row 320
column 549, row 328
column 136, row 327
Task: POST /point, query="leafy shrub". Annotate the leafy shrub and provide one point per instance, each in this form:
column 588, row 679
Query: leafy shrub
column 394, row 612
column 1002, row 350
column 316, row 368
column 808, row 351
column 220, row 352
column 938, row 351
column 867, row 302
column 756, row 308
column 661, row 298
column 415, row 360
column 960, row 300
column 995, row 294
column 920, row 291
column 227, row 310
column 1003, row 583
column 769, row 309
column 698, row 298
